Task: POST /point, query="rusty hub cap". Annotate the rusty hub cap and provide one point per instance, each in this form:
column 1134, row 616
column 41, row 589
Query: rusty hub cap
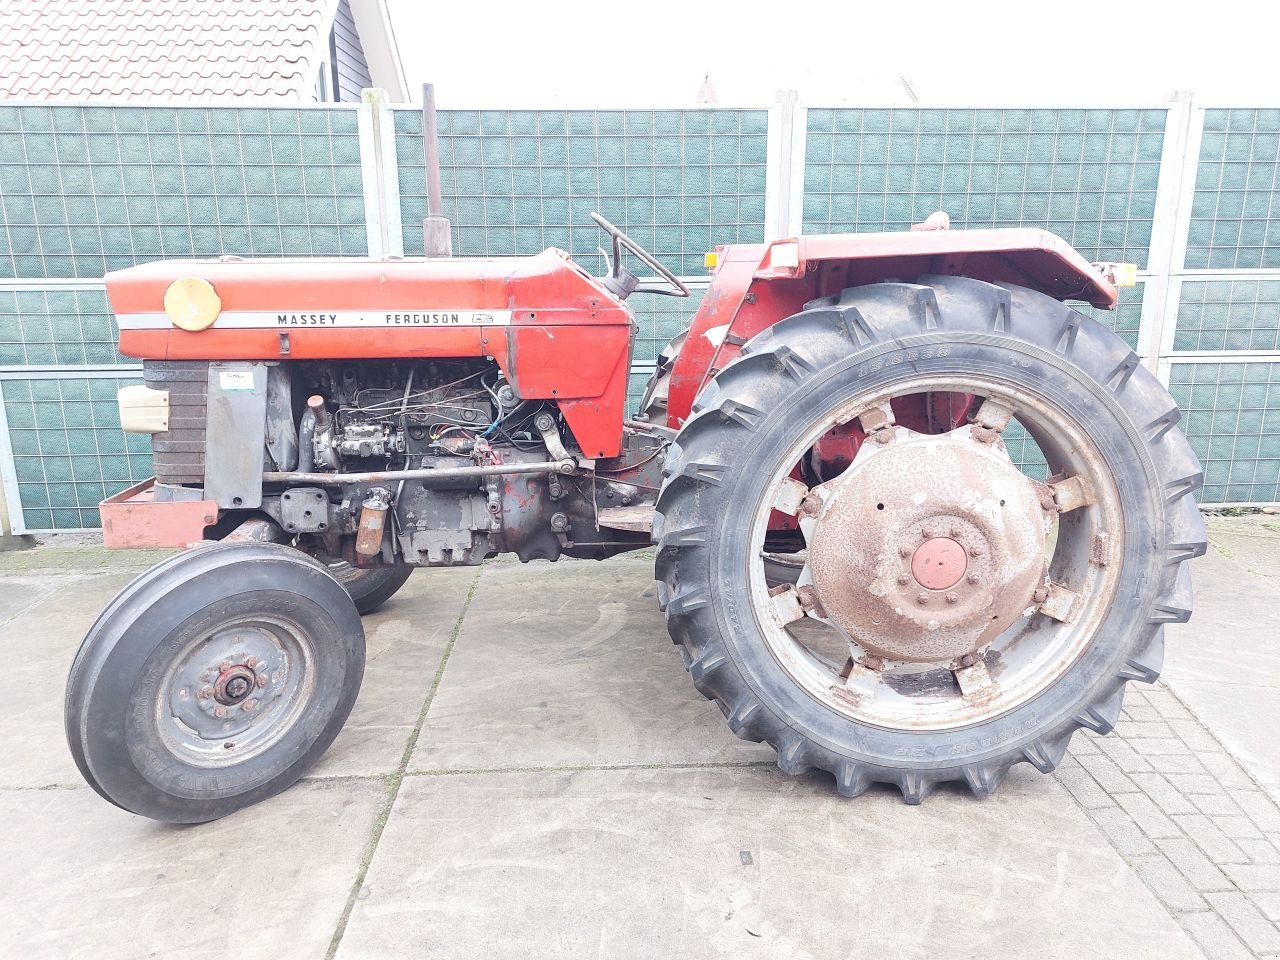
column 926, row 596
column 928, row 547
column 939, row 563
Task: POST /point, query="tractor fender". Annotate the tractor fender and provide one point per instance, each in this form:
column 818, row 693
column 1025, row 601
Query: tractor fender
column 753, row 286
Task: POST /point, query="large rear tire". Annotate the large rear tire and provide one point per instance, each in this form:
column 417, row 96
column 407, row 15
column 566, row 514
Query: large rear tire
column 1096, row 413
column 213, row 681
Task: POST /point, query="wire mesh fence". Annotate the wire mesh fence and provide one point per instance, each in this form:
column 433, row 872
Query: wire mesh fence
column 87, row 189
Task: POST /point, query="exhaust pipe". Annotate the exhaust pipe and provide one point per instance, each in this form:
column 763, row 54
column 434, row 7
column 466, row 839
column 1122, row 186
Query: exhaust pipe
column 437, row 232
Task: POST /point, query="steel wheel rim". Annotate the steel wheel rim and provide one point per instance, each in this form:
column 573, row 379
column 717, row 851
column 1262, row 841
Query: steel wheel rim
column 1035, row 652
column 235, row 691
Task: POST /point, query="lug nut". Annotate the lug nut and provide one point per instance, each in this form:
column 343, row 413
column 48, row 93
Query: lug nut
column 262, row 680
column 811, row 506
column 882, row 436
column 972, row 578
column 923, row 599
column 954, row 532
column 224, row 666
column 219, row 712
column 205, row 692
column 904, row 551
column 1041, row 595
column 953, row 598
column 975, row 551
column 251, row 662
column 248, row 706
column 903, row 579
column 928, row 533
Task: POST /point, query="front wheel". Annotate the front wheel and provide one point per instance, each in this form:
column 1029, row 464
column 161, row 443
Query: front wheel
column 213, row 681
column 951, row 615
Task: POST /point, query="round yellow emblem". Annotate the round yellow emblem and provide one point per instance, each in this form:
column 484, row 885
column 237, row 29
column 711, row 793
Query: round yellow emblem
column 191, row 303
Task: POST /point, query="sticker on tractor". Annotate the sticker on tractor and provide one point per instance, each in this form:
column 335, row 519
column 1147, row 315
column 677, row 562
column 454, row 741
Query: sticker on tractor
column 236, row 379
column 293, row 319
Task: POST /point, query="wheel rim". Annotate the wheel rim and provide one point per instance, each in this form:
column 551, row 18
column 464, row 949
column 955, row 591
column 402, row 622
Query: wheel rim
column 865, row 671
column 236, row 690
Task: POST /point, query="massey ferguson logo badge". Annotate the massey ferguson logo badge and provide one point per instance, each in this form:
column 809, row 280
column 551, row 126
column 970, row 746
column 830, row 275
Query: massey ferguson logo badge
column 426, row 319
column 267, row 319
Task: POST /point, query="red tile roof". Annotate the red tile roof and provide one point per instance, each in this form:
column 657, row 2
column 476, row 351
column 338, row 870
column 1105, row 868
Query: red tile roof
column 162, row 49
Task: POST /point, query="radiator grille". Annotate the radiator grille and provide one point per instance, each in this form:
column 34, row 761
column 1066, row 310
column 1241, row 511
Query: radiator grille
column 179, row 452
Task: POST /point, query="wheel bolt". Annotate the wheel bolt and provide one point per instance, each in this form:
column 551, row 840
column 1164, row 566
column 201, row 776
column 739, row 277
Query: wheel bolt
column 928, row 533
column 248, row 706
column 219, row 712
column 224, row 666
column 953, row 598
column 205, row 692
column 904, row 551
column 251, row 662
column 975, row 551
column 955, row 533
column 923, row 599
column 262, row 680
column 903, row 579
column 972, row 578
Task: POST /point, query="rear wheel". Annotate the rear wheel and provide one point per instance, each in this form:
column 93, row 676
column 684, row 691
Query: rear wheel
column 950, row 616
column 213, row 681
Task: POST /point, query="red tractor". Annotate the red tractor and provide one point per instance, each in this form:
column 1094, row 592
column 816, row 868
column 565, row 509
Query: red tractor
column 850, row 564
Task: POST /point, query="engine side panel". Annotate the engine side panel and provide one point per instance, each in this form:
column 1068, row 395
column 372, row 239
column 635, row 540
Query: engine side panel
column 553, row 330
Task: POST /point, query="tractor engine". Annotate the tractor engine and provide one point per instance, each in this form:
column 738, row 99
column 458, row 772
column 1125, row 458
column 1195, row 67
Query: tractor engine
column 489, row 471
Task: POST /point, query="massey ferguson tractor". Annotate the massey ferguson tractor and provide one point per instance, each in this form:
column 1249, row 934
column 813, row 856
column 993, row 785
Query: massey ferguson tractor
column 849, row 562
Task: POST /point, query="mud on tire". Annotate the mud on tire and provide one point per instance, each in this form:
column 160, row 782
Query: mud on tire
column 861, row 340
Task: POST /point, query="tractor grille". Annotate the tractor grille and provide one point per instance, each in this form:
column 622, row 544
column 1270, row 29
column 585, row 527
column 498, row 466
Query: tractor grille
column 178, row 453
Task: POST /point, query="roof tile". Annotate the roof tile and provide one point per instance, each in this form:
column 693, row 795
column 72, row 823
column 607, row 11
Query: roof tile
column 183, row 50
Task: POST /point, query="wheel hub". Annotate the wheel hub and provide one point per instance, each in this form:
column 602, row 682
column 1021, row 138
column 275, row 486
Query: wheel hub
column 234, row 685
column 928, row 547
column 939, row 563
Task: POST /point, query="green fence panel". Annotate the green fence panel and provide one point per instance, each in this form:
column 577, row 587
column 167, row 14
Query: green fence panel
column 1088, row 175
column 1228, row 315
column 57, row 327
column 516, row 182
column 1235, row 213
column 1231, row 415
column 91, row 189
column 69, row 452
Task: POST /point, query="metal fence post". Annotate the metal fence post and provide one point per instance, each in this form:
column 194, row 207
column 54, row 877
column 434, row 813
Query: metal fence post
column 1169, row 228
column 379, row 171
column 784, row 167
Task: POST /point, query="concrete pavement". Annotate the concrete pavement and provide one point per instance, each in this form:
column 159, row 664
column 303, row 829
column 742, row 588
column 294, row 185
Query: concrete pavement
column 530, row 771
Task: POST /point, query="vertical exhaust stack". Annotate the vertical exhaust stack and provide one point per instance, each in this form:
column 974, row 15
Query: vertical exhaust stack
column 437, row 232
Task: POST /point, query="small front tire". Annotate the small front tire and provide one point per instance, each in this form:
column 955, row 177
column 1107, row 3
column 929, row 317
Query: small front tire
column 214, row 681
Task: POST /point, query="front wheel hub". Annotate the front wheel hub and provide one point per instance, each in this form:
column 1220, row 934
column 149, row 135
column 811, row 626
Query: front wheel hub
column 928, row 547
